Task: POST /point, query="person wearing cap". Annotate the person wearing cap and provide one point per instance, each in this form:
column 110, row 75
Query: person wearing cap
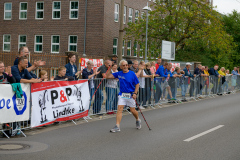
column 187, row 80
column 114, row 59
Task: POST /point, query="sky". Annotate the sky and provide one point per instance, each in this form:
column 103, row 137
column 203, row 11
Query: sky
column 227, row 6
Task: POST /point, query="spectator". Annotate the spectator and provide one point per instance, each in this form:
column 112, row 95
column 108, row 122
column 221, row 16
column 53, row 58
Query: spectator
column 234, row 77
column 214, row 76
column 142, row 87
column 114, row 59
column 6, row 77
column 153, row 68
column 148, row 82
column 158, row 81
column 111, row 92
column 62, row 74
column 222, row 80
column 175, row 82
column 158, row 64
column 198, row 73
column 71, row 67
column 167, row 74
column 44, row 76
column 238, row 78
column 99, row 93
column 89, row 73
column 23, row 51
column 225, row 85
column 187, row 81
column 20, row 72
column 204, row 78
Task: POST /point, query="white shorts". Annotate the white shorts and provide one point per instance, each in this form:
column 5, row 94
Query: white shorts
column 126, row 102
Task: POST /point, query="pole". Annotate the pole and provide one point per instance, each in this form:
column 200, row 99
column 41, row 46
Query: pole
column 146, row 35
column 85, row 30
column 120, row 38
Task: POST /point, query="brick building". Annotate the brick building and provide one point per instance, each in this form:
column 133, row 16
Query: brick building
column 57, row 26
column 50, row 26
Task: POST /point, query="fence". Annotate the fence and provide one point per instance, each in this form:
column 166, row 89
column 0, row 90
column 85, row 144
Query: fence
column 151, row 94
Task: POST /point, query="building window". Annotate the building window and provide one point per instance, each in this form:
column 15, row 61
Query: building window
column 22, row 41
column 129, row 48
column 72, row 43
column 123, row 47
column 135, row 49
column 130, row 15
column 73, row 10
column 55, row 45
column 56, row 10
column 7, row 11
column 23, row 10
column 116, row 12
column 39, row 10
column 136, row 15
column 38, row 47
column 115, row 43
column 6, row 42
column 124, row 15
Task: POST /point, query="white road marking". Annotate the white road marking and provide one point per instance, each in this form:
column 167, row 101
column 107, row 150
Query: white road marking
column 203, row 133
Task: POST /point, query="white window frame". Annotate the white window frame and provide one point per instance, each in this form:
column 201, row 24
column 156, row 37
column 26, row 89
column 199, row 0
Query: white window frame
column 116, row 12
column 35, row 43
column 136, row 17
column 41, row 10
column 19, row 43
column 56, row 10
column 7, row 11
column 7, row 42
column 123, row 48
column 130, row 16
column 71, row 44
column 124, row 15
column 21, row 11
column 55, row 43
column 70, row 10
column 135, row 49
column 115, row 46
column 129, row 48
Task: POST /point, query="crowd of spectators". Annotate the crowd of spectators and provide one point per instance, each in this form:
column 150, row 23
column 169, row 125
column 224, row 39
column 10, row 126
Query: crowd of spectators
column 156, row 79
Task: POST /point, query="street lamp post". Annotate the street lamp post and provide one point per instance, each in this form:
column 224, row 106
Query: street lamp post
column 148, row 9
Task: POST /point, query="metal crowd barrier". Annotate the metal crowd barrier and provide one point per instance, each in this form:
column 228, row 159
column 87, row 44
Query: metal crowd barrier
column 150, row 94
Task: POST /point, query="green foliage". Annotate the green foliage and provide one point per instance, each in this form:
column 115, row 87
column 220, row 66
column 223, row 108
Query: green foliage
column 195, row 27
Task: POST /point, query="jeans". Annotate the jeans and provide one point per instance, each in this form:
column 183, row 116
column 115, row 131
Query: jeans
column 91, row 91
column 148, row 94
column 184, row 88
column 111, row 96
column 158, row 92
column 142, row 96
column 173, row 93
column 225, row 85
column 98, row 101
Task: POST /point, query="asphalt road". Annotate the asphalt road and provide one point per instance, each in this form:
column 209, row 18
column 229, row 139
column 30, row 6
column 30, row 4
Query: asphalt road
column 170, row 127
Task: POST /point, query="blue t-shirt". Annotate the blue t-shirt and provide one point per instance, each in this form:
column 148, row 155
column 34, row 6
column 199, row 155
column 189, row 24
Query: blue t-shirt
column 24, row 74
column 128, row 81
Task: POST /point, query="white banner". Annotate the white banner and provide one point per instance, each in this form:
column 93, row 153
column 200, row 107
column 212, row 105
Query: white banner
column 168, row 50
column 59, row 101
column 97, row 63
column 13, row 109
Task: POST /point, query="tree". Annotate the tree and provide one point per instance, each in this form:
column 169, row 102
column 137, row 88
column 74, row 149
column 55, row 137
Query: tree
column 193, row 25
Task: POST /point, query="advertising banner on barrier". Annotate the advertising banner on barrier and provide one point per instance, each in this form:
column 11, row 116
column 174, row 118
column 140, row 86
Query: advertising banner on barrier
column 97, row 63
column 59, row 101
column 12, row 108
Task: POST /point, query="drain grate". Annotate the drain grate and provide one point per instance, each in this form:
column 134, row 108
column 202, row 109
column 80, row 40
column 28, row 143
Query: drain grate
column 13, row 146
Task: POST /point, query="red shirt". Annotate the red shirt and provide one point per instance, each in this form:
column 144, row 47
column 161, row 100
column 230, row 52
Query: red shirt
column 157, row 66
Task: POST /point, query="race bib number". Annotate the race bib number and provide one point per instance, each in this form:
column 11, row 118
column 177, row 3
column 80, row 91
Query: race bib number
column 126, row 95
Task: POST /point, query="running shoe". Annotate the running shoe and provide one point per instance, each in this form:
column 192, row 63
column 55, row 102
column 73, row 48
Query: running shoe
column 141, row 107
column 138, row 124
column 115, row 129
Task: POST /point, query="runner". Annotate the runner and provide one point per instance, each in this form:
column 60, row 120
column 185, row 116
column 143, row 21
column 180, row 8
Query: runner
column 129, row 86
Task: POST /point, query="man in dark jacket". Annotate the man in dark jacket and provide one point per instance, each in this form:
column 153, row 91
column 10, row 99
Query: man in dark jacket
column 214, row 75
column 188, row 80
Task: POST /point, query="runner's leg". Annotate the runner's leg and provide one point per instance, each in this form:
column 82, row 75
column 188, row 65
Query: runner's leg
column 119, row 114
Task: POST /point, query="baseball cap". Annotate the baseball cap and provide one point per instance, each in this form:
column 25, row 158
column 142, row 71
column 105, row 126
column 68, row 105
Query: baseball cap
column 129, row 62
column 188, row 63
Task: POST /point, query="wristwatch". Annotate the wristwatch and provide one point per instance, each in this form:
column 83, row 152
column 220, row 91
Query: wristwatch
column 134, row 93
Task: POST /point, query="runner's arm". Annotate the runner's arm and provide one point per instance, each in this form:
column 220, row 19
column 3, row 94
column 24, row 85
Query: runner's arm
column 136, row 91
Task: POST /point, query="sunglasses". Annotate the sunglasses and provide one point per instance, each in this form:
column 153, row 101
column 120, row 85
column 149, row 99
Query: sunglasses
column 125, row 65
